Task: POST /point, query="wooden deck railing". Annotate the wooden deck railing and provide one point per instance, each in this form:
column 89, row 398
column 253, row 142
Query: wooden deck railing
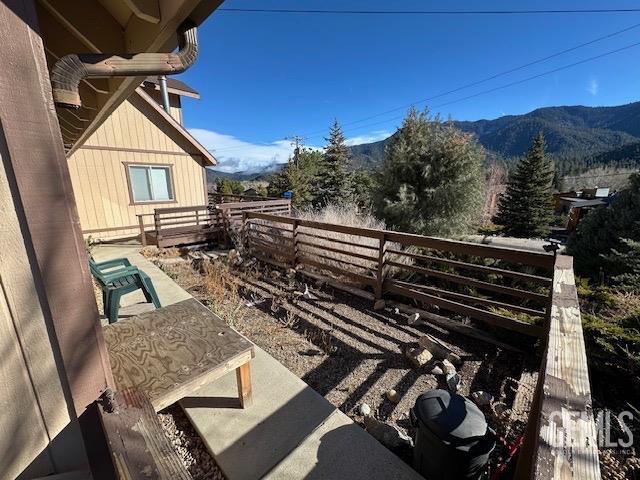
column 218, row 198
column 184, row 225
column 515, row 281
column 201, row 223
column 560, row 440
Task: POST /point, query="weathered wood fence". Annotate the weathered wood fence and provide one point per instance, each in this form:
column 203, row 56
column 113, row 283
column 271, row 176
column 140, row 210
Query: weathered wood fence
column 560, row 440
column 218, row 198
column 203, row 223
column 365, row 258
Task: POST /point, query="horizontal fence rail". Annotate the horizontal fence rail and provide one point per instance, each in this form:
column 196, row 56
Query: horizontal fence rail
column 217, row 198
column 185, row 225
column 494, row 285
column 560, row 440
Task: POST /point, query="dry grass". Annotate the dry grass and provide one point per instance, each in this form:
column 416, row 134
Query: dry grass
column 221, row 289
column 350, row 215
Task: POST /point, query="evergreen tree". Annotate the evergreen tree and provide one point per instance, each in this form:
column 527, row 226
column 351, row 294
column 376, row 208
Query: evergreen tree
column 607, row 234
column 332, row 177
column 431, row 180
column 297, row 179
column 526, row 210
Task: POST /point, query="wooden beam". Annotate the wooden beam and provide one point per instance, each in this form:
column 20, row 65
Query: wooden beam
column 472, row 282
column 471, row 299
column 147, row 10
column 137, row 444
column 526, row 277
column 51, row 224
column 473, row 312
column 89, row 22
column 453, row 326
column 562, row 441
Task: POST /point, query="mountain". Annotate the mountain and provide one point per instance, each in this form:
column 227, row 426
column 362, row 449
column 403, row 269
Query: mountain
column 262, row 174
column 571, row 131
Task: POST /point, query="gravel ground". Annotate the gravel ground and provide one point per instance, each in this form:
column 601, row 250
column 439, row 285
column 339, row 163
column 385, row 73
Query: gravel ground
column 351, row 354
column 188, row 444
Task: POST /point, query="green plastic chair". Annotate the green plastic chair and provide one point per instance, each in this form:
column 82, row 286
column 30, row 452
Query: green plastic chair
column 118, row 277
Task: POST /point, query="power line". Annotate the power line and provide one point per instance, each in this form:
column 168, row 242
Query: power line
column 510, row 84
column 426, row 12
column 486, row 79
column 316, row 133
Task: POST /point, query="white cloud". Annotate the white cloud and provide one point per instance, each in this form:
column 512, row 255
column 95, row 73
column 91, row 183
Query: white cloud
column 593, row 86
column 235, row 155
column 368, row 137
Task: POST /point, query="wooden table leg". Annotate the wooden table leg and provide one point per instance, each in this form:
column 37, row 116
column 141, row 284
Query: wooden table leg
column 243, row 376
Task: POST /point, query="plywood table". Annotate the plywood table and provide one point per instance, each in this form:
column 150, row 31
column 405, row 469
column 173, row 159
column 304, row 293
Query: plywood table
column 171, row 352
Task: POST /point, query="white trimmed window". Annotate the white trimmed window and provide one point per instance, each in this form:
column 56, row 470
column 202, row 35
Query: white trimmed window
column 150, row 183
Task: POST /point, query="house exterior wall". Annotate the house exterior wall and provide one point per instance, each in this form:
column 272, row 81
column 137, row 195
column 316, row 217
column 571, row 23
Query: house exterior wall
column 99, row 175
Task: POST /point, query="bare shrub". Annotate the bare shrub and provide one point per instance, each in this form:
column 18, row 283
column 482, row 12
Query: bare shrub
column 221, row 288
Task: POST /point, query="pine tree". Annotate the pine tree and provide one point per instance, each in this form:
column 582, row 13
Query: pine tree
column 297, row 179
column 526, row 210
column 431, row 181
column 332, row 178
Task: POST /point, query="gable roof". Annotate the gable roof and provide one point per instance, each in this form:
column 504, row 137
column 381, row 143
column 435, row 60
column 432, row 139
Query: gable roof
column 174, row 86
column 154, row 112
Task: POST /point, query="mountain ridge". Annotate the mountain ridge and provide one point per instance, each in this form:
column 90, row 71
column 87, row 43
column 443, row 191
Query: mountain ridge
column 578, row 133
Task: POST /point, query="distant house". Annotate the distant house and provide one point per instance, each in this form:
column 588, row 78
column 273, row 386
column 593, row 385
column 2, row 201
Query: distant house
column 576, row 204
column 251, row 192
column 139, row 159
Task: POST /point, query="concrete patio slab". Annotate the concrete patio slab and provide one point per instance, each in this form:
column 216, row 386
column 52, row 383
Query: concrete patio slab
column 290, row 431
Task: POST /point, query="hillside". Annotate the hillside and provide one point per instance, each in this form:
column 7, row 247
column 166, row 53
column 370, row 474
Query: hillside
column 599, row 134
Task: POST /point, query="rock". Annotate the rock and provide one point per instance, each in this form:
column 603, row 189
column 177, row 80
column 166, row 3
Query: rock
column 454, row 358
column 499, row 408
column 453, row 381
column 364, row 409
column 393, row 396
column 448, row 367
column 275, row 274
column 481, row 397
column 396, row 311
column 413, row 319
column 437, row 370
column 231, row 256
column 386, row 434
column 379, row 305
column 439, row 349
column 291, row 273
column 418, row 356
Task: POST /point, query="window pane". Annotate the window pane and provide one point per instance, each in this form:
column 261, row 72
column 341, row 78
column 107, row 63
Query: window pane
column 161, row 184
column 139, row 184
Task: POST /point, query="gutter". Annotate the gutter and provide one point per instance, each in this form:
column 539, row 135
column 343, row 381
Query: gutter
column 71, row 69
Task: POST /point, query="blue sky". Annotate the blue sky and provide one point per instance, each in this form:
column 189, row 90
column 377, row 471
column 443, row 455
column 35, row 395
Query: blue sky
column 263, row 76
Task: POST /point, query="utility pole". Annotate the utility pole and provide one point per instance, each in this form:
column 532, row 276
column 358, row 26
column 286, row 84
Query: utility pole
column 296, row 141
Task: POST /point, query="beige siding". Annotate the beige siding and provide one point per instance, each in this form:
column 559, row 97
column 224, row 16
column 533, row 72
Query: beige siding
column 99, row 175
column 34, row 408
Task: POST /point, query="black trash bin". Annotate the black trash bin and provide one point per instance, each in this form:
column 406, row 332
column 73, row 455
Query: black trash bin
column 452, row 439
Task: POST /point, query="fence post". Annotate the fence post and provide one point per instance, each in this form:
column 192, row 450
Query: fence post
column 143, row 235
column 294, row 226
column 156, row 222
column 380, row 273
column 244, row 241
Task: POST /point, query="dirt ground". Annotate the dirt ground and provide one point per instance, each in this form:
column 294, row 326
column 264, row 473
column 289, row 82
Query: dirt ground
column 350, row 353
